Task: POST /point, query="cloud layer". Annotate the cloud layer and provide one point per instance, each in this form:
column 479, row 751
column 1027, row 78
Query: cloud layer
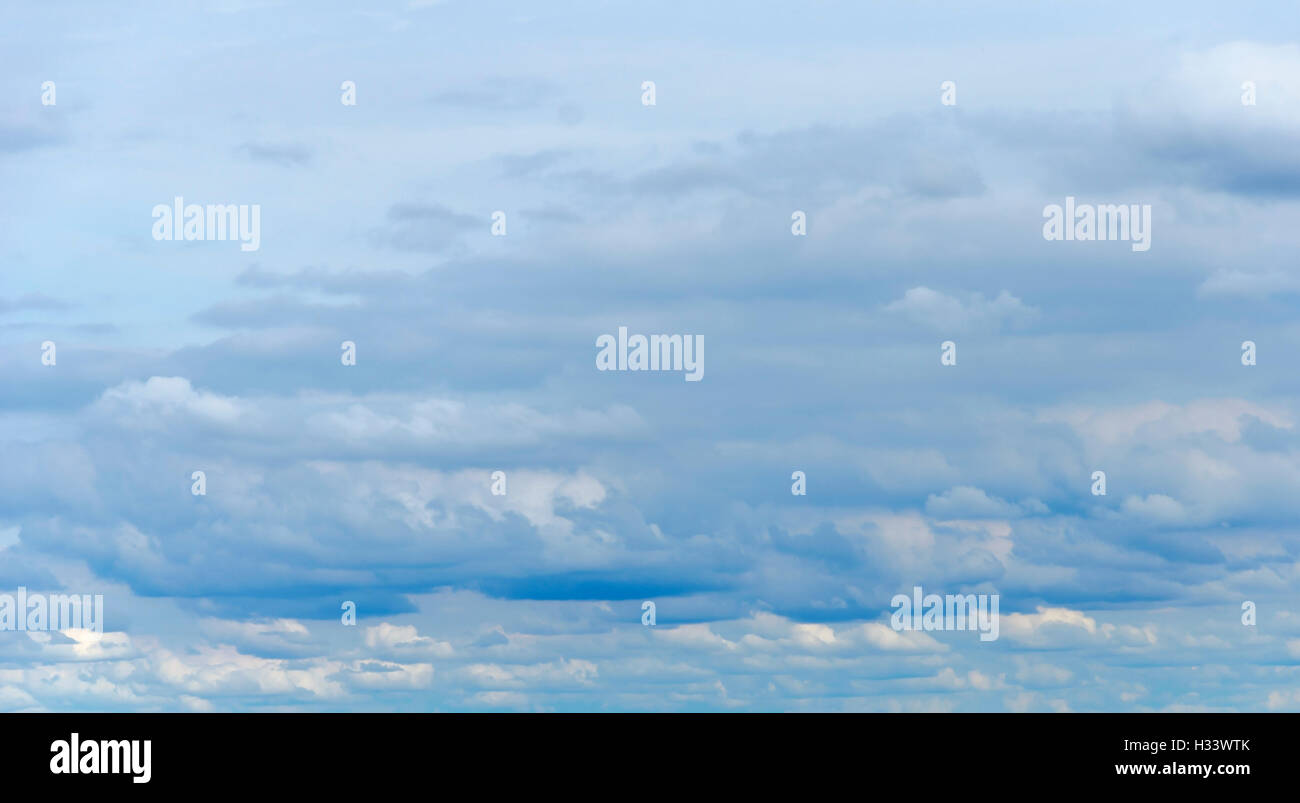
column 372, row 483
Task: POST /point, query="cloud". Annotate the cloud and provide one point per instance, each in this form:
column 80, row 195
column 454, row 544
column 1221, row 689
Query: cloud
column 31, row 301
column 966, row 502
column 282, row 154
column 1249, row 285
column 1157, row 508
column 426, row 227
column 946, row 313
column 166, row 397
column 1050, row 627
column 1160, row 421
column 883, row 637
column 22, row 131
column 394, row 640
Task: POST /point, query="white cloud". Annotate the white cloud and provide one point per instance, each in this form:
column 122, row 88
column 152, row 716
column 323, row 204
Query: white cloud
column 142, row 403
column 406, row 640
column 949, row 314
column 964, row 501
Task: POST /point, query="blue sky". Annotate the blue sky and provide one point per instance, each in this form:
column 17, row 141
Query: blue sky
column 475, row 353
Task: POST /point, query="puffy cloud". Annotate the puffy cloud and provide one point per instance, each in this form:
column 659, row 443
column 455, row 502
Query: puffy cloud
column 395, row 639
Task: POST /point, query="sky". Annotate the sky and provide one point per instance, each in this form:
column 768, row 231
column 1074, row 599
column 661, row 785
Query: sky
column 328, row 483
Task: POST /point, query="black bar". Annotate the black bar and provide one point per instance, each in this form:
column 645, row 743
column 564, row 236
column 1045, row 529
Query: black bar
column 440, row 753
